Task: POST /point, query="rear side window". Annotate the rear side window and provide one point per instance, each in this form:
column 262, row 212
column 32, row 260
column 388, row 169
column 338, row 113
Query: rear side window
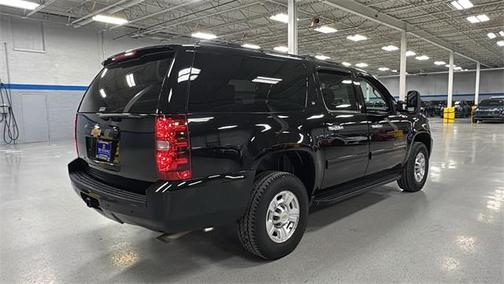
column 337, row 90
column 235, row 83
column 131, row 86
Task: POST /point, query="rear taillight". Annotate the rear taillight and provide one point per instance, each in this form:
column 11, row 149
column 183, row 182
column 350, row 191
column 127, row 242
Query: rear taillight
column 173, row 154
column 75, row 135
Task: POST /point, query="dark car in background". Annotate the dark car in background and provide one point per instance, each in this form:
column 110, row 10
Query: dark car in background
column 490, row 110
column 428, row 108
column 438, row 107
column 183, row 137
column 462, row 109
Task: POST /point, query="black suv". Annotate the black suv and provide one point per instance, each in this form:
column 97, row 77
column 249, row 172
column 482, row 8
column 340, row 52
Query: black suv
column 182, row 137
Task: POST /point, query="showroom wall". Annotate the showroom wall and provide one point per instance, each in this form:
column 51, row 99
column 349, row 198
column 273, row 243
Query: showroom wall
column 435, row 86
column 50, row 67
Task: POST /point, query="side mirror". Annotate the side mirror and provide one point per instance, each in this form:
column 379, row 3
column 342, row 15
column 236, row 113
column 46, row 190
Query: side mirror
column 413, row 103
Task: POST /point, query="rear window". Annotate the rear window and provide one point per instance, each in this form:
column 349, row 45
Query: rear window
column 235, row 83
column 132, row 86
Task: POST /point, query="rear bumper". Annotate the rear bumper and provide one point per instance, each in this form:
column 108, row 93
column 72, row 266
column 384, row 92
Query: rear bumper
column 167, row 206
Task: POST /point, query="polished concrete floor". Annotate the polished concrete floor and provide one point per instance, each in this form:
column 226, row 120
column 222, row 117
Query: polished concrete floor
column 453, row 231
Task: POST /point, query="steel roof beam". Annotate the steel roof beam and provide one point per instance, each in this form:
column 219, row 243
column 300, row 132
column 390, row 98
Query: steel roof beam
column 387, row 20
column 111, row 9
column 163, row 11
column 47, row 3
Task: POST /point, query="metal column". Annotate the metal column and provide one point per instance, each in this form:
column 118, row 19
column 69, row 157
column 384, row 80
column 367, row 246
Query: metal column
column 450, row 81
column 476, row 87
column 292, row 27
column 402, row 68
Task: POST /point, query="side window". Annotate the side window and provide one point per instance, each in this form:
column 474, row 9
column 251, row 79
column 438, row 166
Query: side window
column 337, row 90
column 373, row 99
column 246, row 84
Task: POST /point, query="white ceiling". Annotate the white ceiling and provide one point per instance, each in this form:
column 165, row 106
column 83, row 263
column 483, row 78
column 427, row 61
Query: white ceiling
column 248, row 21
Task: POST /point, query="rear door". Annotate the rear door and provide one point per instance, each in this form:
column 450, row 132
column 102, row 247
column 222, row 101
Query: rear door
column 387, row 129
column 116, row 118
column 345, row 141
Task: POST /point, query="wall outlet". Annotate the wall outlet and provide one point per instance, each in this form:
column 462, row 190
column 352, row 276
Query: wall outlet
column 4, row 109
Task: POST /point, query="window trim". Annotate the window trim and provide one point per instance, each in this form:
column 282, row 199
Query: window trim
column 386, row 97
column 319, row 89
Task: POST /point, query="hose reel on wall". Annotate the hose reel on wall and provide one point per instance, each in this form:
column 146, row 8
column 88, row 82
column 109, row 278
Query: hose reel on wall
column 10, row 130
column 8, row 123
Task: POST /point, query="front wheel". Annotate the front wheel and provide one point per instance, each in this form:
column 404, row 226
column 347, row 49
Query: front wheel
column 275, row 219
column 414, row 173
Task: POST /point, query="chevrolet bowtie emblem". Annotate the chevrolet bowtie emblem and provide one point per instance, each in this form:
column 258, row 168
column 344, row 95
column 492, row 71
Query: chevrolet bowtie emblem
column 96, row 131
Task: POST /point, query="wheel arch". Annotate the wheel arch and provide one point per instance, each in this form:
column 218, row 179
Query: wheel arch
column 422, row 137
column 301, row 162
column 425, row 138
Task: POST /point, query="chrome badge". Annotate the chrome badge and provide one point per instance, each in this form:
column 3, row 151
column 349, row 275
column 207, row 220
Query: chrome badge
column 96, row 131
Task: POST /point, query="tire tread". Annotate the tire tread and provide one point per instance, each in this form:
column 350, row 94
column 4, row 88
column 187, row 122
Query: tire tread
column 246, row 232
column 407, row 181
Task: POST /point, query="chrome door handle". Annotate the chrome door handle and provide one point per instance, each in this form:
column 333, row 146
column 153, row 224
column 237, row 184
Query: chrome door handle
column 335, row 127
column 376, row 125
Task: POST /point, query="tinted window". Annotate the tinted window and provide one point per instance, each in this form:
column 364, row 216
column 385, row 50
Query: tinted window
column 337, row 90
column 234, row 83
column 374, row 100
column 131, row 86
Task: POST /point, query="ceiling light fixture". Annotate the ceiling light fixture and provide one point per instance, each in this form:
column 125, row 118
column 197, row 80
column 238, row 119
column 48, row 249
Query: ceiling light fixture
column 347, row 64
column 322, row 57
column 462, row 4
column 356, row 37
column 390, row 48
column 478, row 19
column 410, row 53
column 439, row 63
column 280, row 17
column 491, row 35
column 394, row 71
column 110, row 20
column 361, row 65
column 325, row 29
column 19, row 4
column 251, row 46
column 266, row 80
column 501, row 33
column 384, row 69
column 422, row 57
column 500, row 43
column 281, row 48
column 203, row 35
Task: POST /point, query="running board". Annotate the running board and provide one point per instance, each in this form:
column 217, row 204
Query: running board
column 347, row 190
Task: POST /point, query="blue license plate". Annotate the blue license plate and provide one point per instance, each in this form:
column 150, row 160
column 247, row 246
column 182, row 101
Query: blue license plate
column 103, row 150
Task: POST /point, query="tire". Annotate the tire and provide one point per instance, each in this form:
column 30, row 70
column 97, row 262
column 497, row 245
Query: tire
column 409, row 181
column 252, row 227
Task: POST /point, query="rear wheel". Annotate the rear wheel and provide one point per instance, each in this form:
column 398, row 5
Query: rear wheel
column 276, row 217
column 414, row 173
